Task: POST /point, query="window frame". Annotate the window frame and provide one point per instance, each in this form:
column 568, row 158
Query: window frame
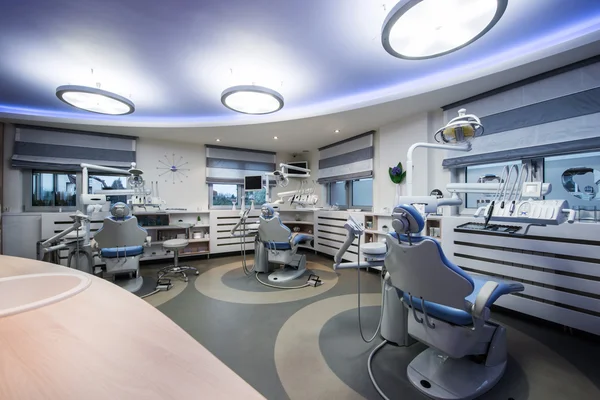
column 349, row 195
column 28, row 192
column 240, row 195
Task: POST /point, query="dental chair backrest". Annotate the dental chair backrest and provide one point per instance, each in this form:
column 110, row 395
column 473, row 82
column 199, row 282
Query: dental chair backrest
column 120, row 229
column 420, row 268
column 270, row 228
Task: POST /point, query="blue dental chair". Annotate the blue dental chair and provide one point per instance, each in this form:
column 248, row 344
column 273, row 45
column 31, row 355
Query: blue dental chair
column 450, row 313
column 281, row 246
column 121, row 241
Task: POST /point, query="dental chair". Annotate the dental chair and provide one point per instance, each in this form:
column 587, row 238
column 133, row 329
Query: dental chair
column 281, row 246
column 121, row 241
column 450, row 313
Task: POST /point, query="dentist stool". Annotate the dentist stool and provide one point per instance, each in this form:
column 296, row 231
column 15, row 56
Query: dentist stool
column 175, row 245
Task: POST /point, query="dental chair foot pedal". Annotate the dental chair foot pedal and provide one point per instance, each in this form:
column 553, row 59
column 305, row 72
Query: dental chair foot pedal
column 314, row 280
column 163, row 284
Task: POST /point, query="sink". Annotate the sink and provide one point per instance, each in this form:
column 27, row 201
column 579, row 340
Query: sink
column 26, row 292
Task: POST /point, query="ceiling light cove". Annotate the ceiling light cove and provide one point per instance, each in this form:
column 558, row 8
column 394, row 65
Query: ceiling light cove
column 251, row 99
column 420, row 29
column 95, row 100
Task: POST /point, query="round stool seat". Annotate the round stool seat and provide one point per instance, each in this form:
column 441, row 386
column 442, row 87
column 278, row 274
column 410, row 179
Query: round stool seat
column 175, row 244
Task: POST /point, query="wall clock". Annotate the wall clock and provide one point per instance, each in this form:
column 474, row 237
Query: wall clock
column 173, row 169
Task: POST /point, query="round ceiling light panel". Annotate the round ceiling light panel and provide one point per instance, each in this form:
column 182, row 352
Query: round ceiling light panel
column 420, row 29
column 251, row 99
column 95, row 100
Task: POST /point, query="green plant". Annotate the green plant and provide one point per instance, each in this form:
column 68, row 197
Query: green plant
column 397, row 174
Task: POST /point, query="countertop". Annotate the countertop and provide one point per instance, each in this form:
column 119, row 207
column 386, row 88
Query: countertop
column 104, row 343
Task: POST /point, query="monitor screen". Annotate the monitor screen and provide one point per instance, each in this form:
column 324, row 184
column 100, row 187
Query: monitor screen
column 300, row 164
column 252, row 183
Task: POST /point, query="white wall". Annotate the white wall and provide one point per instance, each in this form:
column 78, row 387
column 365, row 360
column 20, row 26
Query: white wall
column 192, row 192
column 391, row 144
column 13, row 178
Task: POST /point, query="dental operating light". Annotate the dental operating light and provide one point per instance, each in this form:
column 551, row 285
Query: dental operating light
column 95, row 100
column 251, row 99
column 420, row 29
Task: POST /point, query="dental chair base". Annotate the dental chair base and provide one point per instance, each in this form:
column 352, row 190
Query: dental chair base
column 292, row 270
column 119, row 264
column 442, row 377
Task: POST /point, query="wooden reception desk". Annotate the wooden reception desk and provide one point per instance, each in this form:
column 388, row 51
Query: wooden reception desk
column 103, row 343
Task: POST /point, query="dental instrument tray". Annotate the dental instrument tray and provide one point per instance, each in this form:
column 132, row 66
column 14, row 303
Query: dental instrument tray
column 475, row 226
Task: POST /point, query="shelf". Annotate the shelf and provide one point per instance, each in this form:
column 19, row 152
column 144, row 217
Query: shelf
column 200, row 226
column 164, row 227
column 203, row 240
column 298, row 222
column 375, row 232
column 170, row 256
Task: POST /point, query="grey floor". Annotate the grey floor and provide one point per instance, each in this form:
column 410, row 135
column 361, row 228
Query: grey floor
column 544, row 361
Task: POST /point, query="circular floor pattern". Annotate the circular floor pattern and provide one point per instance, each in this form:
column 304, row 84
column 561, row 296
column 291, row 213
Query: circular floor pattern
column 236, row 279
column 162, row 297
column 534, row 370
column 210, row 283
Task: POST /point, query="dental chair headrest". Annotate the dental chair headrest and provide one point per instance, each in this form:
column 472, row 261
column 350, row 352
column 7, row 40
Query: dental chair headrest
column 267, row 211
column 119, row 210
column 406, row 219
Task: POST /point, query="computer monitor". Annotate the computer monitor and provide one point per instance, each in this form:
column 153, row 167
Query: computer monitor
column 300, row 164
column 253, row 183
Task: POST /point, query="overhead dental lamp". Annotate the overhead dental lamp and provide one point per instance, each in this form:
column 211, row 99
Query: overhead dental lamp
column 252, row 99
column 95, row 100
column 420, row 29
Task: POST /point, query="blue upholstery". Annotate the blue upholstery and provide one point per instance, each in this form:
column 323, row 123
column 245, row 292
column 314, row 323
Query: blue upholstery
column 454, row 315
column 415, row 214
column 299, row 238
column 115, row 252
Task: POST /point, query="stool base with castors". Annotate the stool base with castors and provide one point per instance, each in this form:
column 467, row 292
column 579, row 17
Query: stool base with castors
column 175, row 269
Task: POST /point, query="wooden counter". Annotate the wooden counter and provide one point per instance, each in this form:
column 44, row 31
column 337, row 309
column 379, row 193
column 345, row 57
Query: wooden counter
column 104, row 343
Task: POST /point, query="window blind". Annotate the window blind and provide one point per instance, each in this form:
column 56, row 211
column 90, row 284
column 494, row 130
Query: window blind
column 230, row 164
column 556, row 114
column 349, row 159
column 64, row 150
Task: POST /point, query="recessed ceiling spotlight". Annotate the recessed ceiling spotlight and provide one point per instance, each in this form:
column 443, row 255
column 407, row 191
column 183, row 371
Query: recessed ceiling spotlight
column 94, row 100
column 275, row 137
column 336, row 131
column 251, row 99
column 419, row 29
column 218, row 140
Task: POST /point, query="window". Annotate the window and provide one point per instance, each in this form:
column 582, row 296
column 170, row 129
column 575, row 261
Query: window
column 51, row 189
column 222, row 195
column 351, row 194
column 108, row 182
column 259, row 197
column 575, row 178
column 362, row 193
column 486, row 173
column 338, row 195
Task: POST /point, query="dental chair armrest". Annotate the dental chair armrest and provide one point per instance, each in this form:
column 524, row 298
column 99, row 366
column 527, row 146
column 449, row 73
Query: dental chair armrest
column 480, row 309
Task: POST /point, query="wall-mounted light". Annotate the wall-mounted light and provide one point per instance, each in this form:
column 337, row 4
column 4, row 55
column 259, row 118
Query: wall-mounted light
column 420, row 29
column 94, row 100
column 251, row 99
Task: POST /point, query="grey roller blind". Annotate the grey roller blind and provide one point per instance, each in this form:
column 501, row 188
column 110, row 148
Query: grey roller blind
column 231, row 165
column 557, row 114
column 65, row 150
column 349, row 159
